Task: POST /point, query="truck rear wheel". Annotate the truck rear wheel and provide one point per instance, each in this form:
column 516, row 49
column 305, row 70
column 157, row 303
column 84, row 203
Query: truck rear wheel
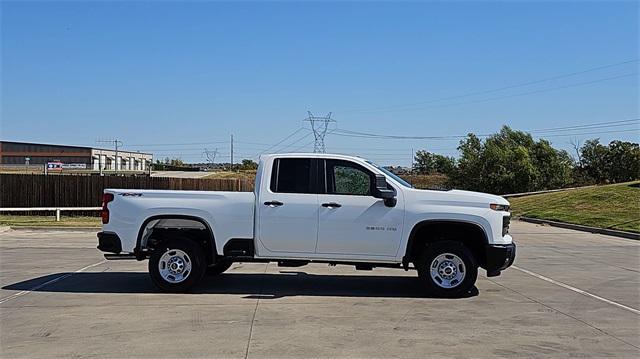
column 447, row 269
column 177, row 265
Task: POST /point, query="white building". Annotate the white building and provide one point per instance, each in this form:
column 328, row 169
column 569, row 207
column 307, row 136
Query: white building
column 73, row 157
column 123, row 161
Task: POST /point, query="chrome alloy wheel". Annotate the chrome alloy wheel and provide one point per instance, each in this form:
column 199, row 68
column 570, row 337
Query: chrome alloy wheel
column 447, row 270
column 174, row 266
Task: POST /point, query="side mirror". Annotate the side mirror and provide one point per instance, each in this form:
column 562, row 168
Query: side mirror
column 382, row 191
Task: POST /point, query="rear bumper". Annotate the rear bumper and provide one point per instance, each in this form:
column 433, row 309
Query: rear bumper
column 499, row 257
column 109, row 242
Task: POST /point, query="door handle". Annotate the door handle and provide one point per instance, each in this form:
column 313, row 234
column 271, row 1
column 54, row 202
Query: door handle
column 273, row 203
column 332, row 205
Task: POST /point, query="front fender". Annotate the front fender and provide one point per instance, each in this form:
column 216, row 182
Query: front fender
column 415, row 221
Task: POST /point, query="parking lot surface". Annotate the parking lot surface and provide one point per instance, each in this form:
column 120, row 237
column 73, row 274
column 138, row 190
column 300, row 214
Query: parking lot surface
column 570, row 294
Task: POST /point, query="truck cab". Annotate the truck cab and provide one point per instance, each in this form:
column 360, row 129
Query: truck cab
column 308, row 208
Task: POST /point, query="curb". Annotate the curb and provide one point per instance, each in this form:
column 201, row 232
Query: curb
column 53, row 228
column 579, row 227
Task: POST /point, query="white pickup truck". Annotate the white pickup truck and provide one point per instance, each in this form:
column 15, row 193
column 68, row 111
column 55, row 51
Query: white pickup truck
column 306, row 208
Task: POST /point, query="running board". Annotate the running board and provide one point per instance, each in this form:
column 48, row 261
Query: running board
column 112, row 257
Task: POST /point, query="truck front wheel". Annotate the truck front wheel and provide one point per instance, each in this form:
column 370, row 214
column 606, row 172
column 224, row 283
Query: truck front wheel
column 177, row 265
column 447, row 269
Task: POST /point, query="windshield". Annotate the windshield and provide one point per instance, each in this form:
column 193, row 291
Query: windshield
column 391, row 174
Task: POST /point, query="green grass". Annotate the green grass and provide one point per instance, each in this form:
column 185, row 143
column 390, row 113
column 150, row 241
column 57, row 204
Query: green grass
column 611, row 206
column 49, row 221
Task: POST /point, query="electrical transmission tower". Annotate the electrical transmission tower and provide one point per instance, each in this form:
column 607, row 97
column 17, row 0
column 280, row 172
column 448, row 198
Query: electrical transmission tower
column 319, row 125
column 210, row 157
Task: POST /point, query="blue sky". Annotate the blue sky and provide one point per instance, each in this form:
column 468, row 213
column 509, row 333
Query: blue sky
column 168, row 77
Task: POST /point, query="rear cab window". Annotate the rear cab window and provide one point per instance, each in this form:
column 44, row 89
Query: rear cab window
column 293, row 175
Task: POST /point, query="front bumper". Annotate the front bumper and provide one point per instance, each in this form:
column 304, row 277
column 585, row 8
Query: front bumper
column 109, row 242
column 499, row 257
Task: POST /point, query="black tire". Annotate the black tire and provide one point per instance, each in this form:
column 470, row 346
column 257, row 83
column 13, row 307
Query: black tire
column 447, row 288
column 220, row 266
column 195, row 256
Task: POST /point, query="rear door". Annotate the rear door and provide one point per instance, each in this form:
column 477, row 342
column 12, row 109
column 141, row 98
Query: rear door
column 288, row 208
column 351, row 220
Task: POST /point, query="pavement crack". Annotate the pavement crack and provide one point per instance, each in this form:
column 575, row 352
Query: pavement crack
column 255, row 310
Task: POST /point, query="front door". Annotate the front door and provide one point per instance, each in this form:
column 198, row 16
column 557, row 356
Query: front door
column 351, row 220
column 288, row 209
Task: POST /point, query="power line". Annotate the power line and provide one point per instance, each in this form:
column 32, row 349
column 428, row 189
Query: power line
column 197, row 143
column 594, row 125
column 254, row 143
column 483, row 92
column 512, row 95
column 349, row 133
column 303, row 146
column 294, row 142
column 284, row 139
column 309, row 144
column 177, row 144
column 593, row 133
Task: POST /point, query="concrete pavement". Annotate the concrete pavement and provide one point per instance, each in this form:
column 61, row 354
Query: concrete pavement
column 571, row 294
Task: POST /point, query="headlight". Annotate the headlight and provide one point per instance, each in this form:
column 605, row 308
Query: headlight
column 499, row 207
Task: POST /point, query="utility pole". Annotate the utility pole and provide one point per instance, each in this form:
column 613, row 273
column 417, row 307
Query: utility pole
column 412, row 158
column 319, row 125
column 232, row 152
column 116, row 144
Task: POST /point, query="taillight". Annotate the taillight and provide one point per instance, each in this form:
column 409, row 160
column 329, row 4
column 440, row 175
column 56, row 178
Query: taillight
column 106, row 198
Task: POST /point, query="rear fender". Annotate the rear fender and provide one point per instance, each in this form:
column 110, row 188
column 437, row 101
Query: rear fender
column 171, row 221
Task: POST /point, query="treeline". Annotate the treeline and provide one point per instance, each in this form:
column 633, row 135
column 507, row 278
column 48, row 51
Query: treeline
column 512, row 161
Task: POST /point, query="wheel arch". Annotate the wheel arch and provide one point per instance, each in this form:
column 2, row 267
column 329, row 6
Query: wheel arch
column 139, row 251
column 415, row 236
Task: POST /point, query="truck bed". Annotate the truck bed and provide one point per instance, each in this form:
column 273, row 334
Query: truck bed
column 228, row 214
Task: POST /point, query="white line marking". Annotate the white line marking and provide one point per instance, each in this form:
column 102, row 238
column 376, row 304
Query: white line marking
column 577, row 290
column 57, row 279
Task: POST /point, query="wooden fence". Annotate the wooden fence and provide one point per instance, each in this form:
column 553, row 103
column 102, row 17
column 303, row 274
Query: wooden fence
column 24, row 190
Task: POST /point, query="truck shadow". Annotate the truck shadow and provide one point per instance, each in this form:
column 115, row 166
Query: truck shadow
column 250, row 285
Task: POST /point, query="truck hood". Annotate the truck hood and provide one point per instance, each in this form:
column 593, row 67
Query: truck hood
column 455, row 198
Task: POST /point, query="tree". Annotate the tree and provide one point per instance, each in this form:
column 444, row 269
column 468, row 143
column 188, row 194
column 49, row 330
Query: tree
column 555, row 167
column 617, row 162
column 171, row 162
column 468, row 173
column 511, row 161
column 623, row 161
column 429, row 163
column 176, row 162
column 594, row 160
column 248, row 165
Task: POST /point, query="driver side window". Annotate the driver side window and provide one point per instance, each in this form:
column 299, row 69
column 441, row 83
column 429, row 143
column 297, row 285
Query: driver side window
column 348, row 178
